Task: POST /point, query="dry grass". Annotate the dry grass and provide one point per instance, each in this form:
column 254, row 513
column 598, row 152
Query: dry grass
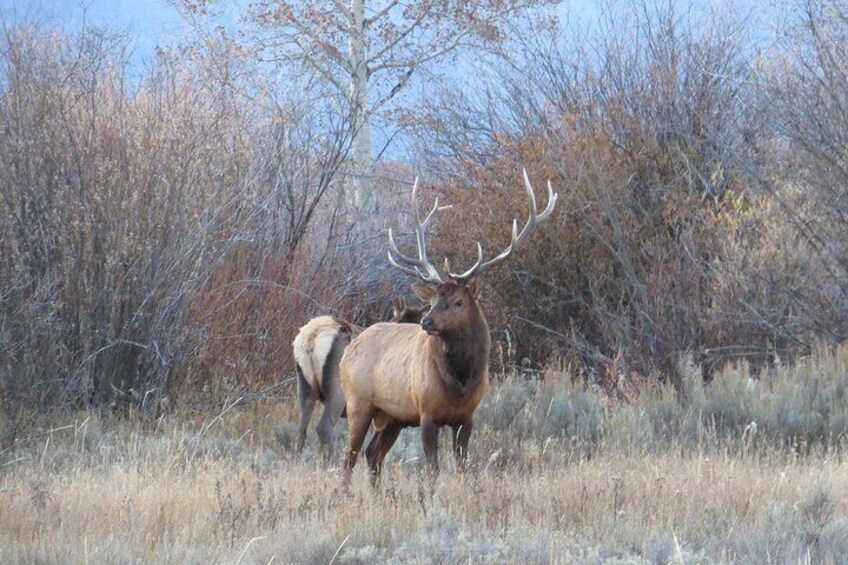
column 612, row 507
column 258, row 507
column 224, row 488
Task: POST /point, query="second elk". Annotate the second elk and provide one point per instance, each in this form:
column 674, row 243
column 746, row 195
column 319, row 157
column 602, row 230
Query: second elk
column 318, row 349
column 432, row 375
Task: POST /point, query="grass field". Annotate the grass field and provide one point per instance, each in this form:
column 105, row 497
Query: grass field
column 560, row 474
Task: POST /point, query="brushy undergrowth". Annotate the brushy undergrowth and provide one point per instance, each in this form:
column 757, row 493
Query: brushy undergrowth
column 803, row 408
column 745, row 470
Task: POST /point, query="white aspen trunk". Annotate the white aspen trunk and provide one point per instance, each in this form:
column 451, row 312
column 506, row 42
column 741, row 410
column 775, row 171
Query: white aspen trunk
column 363, row 157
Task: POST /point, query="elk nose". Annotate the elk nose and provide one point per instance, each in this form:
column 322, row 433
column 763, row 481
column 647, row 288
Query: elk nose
column 427, row 324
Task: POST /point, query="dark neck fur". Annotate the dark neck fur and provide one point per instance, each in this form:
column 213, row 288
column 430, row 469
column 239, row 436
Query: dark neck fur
column 466, row 352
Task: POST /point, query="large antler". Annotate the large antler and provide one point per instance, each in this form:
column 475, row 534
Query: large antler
column 480, row 267
column 421, row 267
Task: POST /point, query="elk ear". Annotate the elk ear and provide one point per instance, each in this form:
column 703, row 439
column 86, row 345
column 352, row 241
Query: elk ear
column 399, row 305
column 474, row 287
column 424, row 292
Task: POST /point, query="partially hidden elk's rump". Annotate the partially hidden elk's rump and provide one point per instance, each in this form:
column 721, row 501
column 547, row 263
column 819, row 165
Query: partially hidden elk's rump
column 318, row 349
column 432, row 375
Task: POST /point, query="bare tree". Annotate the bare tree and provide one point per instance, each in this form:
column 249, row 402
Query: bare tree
column 815, row 69
column 370, row 50
column 805, row 91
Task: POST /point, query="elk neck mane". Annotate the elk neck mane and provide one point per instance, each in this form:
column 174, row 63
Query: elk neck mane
column 466, row 352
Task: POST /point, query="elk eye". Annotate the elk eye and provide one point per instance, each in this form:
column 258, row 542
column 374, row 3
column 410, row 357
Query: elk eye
column 458, row 303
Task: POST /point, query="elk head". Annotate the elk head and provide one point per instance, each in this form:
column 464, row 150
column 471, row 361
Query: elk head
column 403, row 313
column 452, row 305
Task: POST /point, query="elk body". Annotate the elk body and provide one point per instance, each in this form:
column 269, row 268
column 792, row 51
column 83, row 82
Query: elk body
column 432, row 375
column 318, row 349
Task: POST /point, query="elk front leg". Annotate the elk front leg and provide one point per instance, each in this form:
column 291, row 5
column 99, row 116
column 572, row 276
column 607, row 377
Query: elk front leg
column 430, row 439
column 461, row 434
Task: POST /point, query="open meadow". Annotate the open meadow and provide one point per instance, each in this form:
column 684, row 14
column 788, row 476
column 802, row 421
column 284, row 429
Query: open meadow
column 559, row 474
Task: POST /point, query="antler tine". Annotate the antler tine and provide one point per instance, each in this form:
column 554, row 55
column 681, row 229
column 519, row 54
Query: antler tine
column 406, row 259
column 436, row 208
column 470, row 272
column 409, row 270
column 534, row 219
column 421, row 267
column 421, row 226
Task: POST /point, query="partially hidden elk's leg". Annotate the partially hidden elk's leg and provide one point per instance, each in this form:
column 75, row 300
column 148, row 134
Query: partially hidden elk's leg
column 334, row 405
column 461, row 434
column 379, row 446
column 430, row 439
column 306, row 399
column 373, row 446
column 357, row 426
column 334, row 401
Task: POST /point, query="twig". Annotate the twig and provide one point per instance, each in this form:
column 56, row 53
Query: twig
column 275, row 285
column 243, row 551
column 541, row 327
column 336, row 554
column 251, row 396
column 109, row 346
column 12, row 461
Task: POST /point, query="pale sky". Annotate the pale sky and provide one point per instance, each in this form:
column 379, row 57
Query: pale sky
column 157, row 22
column 149, row 22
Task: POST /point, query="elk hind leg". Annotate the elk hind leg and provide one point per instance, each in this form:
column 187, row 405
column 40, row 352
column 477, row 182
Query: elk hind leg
column 461, row 435
column 334, row 405
column 384, row 440
column 357, row 426
column 334, row 402
column 380, row 420
column 306, row 400
column 373, row 445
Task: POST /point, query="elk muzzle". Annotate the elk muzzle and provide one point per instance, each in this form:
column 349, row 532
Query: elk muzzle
column 429, row 326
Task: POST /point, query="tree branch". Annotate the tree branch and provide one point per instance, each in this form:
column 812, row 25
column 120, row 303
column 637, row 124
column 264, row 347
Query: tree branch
column 368, row 21
column 329, row 49
column 401, row 36
column 415, row 62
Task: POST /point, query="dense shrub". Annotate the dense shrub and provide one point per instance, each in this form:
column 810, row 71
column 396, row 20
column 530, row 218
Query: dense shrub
column 168, row 232
column 118, row 202
column 156, row 230
column 680, row 228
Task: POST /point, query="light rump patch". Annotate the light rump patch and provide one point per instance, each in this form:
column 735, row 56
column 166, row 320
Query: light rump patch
column 317, row 349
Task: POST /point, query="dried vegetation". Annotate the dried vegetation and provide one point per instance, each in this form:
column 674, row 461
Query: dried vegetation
column 751, row 470
column 671, row 380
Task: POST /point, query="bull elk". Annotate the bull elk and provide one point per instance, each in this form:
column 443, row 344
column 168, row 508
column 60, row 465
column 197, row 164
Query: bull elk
column 318, row 349
column 397, row 375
